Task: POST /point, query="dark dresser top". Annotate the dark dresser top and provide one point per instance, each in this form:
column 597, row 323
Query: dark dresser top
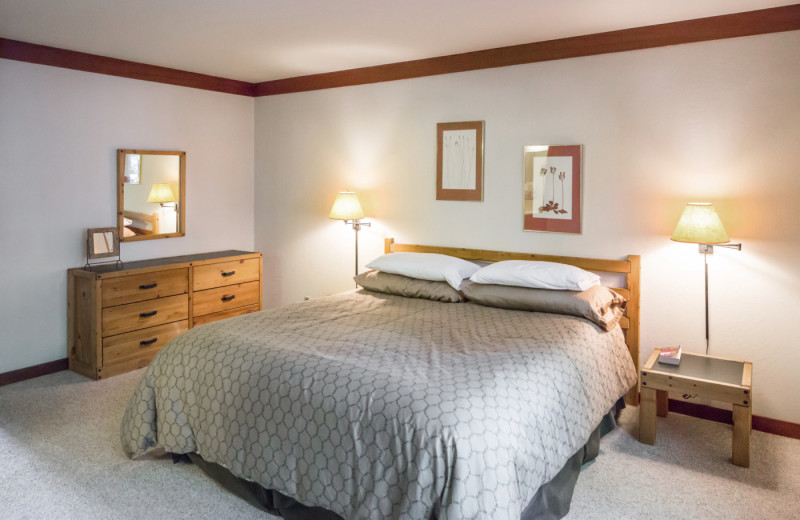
column 157, row 262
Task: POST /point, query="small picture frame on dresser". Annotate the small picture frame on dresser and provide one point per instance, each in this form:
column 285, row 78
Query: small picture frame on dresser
column 102, row 243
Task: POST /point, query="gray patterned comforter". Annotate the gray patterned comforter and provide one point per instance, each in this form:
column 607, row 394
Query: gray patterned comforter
column 377, row 406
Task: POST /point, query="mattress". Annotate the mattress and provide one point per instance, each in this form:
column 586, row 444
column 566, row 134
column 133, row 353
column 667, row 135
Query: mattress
column 379, row 406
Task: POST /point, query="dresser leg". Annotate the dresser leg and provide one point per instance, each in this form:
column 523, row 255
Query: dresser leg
column 742, row 423
column 647, row 416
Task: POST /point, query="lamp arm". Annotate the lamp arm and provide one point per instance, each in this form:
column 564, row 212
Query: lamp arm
column 708, row 249
column 357, row 224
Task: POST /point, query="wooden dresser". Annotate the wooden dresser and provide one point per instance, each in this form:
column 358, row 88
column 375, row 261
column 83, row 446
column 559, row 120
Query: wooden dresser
column 118, row 319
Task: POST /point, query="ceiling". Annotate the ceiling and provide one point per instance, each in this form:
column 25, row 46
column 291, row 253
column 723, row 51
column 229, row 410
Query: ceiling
column 261, row 40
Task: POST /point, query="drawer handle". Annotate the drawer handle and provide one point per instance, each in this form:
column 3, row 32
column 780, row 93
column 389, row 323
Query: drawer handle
column 149, row 286
column 148, row 314
column 229, row 273
column 228, row 298
column 147, row 342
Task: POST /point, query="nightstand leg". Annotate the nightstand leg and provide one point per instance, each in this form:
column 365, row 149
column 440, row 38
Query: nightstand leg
column 647, row 416
column 662, row 403
column 742, row 423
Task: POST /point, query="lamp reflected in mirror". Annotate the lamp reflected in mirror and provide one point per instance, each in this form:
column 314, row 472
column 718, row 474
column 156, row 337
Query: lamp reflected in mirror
column 161, row 194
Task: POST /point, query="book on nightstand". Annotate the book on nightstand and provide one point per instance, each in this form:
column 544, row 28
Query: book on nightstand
column 670, row 356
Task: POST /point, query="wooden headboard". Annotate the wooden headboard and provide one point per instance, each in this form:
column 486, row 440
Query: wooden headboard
column 628, row 268
column 142, row 217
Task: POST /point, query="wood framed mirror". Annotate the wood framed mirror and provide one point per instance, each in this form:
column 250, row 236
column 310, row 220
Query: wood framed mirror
column 101, row 243
column 151, row 194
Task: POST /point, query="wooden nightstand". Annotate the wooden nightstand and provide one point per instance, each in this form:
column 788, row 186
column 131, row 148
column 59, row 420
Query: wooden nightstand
column 709, row 377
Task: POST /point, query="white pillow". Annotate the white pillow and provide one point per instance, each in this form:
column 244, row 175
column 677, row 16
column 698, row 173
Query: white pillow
column 537, row 275
column 426, row 266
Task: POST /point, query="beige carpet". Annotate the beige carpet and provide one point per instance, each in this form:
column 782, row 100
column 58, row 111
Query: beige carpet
column 60, row 459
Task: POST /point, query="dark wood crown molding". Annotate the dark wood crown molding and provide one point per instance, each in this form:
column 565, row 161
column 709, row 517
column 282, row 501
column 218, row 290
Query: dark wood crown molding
column 763, row 21
column 750, row 23
column 55, row 57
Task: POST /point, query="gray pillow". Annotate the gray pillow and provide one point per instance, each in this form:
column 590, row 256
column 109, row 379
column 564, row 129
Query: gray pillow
column 409, row 287
column 598, row 304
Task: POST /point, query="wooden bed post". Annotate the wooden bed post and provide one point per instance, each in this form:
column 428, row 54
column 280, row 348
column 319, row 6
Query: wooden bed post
column 632, row 336
column 387, row 245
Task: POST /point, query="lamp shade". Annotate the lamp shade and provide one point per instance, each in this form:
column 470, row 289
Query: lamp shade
column 346, row 207
column 700, row 224
column 161, row 193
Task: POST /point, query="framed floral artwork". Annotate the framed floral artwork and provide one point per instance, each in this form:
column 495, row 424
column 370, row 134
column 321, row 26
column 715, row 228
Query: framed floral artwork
column 552, row 188
column 459, row 161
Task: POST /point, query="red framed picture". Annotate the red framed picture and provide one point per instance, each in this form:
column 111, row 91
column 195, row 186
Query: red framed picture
column 552, row 188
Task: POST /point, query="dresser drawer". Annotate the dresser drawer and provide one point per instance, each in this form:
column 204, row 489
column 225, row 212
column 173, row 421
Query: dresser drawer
column 131, row 344
column 225, row 298
column 140, row 315
column 139, row 361
column 208, row 318
column 225, row 273
column 140, row 287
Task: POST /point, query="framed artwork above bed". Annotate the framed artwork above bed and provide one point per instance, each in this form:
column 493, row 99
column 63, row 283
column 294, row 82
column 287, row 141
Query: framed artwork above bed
column 552, row 188
column 459, row 161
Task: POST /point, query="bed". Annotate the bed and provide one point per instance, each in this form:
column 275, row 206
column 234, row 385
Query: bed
column 371, row 405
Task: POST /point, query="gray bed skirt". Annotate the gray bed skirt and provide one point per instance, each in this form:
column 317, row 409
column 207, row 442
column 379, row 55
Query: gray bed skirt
column 551, row 501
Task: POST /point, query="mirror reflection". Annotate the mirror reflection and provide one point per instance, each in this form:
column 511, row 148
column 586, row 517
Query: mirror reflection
column 151, row 194
column 103, row 243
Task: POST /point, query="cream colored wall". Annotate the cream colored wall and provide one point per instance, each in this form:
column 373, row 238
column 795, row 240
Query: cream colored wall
column 59, row 132
column 716, row 121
